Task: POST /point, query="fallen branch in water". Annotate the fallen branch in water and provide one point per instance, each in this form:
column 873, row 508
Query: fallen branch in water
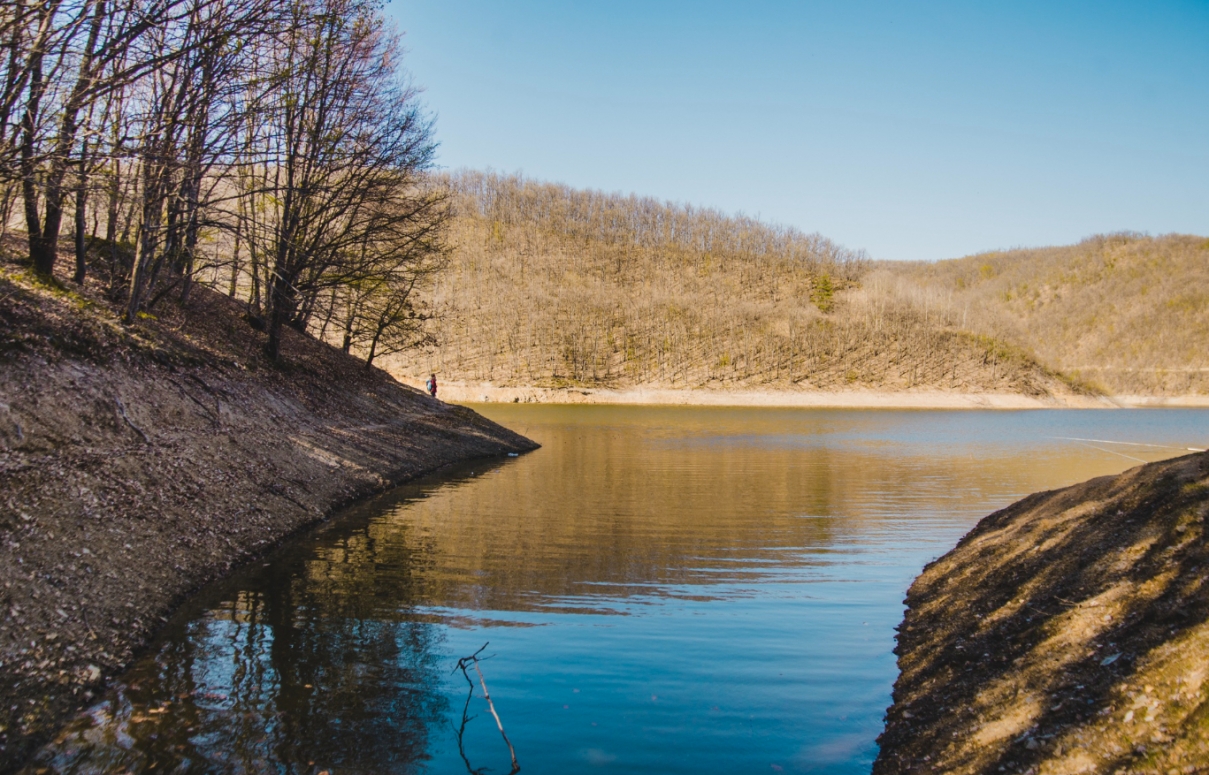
column 466, row 718
column 463, row 663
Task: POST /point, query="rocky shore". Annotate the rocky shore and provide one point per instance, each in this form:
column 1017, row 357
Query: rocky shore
column 138, row 463
column 1067, row 633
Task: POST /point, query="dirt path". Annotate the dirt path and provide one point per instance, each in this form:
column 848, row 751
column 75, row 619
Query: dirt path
column 1068, row 633
column 137, row 464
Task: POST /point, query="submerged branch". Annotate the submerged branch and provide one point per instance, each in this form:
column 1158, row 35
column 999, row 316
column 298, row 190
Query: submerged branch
column 462, row 665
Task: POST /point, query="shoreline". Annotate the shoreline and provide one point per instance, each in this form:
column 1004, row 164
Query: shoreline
column 487, row 393
column 138, row 464
column 1063, row 634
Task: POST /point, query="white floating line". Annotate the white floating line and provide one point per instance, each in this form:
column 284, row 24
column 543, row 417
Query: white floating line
column 1127, row 443
column 1118, row 454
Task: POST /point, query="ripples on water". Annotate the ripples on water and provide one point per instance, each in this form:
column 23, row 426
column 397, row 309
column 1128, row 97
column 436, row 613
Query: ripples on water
column 664, row 590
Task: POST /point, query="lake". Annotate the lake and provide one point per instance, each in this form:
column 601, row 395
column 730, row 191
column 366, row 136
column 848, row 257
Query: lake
column 663, row 590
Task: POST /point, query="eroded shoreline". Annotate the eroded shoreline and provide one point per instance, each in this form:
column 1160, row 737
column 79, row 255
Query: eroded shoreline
column 137, row 465
column 1064, row 634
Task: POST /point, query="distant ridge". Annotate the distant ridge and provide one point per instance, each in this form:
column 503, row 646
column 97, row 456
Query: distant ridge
column 550, row 286
column 1126, row 312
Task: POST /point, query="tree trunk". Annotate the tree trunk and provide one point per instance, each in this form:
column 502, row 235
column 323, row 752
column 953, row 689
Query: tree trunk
column 190, row 257
column 29, row 186
column 45, row 246
column 138, row 273
column 235, row 264
column 111, row 214
column 273, row 347
column 81, row 202
column 142, row 274
column 6, row 208
column 281, row 310
column 373, row 346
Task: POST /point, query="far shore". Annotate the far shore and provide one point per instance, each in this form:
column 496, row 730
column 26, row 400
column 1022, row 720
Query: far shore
column 486, row 393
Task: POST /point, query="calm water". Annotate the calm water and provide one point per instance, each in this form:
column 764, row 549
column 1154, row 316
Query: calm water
column 663, row 589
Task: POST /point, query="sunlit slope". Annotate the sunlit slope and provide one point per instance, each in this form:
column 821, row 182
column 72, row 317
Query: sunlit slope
column 1127, row 312
column 551, row 286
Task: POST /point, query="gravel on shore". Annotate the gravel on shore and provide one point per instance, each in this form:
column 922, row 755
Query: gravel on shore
column 138, row 463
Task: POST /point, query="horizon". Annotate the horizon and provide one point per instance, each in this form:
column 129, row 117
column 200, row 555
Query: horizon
column 913, row 134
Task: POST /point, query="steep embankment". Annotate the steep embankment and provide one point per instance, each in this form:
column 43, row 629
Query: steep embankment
column 137, row 463
column 551, row 287
column 1064, row 634
column 1126, row 311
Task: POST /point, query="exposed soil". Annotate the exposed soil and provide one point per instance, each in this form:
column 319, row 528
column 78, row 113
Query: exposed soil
column 137, row 463
column 1067, row 633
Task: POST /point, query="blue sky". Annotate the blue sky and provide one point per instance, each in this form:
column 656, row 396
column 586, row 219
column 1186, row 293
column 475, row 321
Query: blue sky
column 912, row 130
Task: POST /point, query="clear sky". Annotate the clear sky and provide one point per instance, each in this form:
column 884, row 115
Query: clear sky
column 913, row 130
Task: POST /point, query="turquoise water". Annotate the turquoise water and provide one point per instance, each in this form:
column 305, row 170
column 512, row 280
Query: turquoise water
column 662, row 590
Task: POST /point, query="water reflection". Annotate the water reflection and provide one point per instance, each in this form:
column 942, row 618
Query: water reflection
column 315, row 668
column 666, row 590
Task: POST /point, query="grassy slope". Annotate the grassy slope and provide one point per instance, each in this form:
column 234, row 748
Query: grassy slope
column 137, row 463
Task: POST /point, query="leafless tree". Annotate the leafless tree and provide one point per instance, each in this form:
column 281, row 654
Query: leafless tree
column 66, row 58
column 192, row 107
column 339, row 151
column 285, row 137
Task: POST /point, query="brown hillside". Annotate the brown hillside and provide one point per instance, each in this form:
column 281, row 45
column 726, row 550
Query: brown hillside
column 1125, row 311
column 550, row 286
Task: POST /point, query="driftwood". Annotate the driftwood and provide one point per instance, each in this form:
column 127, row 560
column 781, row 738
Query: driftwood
column 463, row 664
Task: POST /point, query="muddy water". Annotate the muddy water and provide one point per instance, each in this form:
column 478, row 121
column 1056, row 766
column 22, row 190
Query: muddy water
column 663, row 590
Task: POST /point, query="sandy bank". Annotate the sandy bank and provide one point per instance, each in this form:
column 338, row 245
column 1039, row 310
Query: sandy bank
column 463, row 392
column 137, row 464
column 1067, row 633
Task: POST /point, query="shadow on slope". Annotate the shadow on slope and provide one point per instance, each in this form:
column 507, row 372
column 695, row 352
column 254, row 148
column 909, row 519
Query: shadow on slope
column 1064, row 634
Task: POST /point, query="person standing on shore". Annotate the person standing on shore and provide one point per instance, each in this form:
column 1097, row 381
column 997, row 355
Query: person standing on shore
column 431, row 385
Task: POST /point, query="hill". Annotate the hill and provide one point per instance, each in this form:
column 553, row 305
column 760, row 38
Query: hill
column 554, row 287
column 1126, row 312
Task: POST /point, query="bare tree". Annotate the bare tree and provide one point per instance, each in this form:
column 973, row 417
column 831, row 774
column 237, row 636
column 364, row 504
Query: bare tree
column 379, row 306
column 285, row 132
column 192, row 110
column 105, row 47
column 341, row 148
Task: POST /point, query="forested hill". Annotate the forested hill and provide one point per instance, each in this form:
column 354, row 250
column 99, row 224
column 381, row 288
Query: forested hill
column 1126, row 312
column 552, row 286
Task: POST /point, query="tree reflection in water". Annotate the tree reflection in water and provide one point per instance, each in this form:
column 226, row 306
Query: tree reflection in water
column 310, row 674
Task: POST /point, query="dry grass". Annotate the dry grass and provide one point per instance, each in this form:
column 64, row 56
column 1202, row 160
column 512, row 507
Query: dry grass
column 549, row 286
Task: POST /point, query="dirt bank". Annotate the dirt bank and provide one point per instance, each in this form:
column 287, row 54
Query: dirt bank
column 1067, row 633
column 138, row 463
column 485, row 392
